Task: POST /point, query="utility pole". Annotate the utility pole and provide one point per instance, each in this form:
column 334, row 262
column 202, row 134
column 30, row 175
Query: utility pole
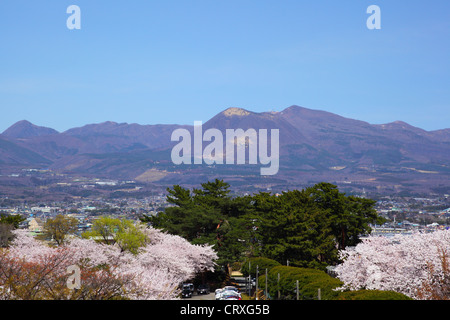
column 266, row 284
column 298, row 293
column 249, row 280
column 278, row 286
column 256, row 292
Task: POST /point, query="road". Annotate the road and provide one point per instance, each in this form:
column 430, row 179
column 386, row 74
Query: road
column 210, row 296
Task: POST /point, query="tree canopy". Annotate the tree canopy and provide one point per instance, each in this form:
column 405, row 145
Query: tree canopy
column 59, row 227
column 7, row 224
column 123, row 232
column 208, row 215
column 305, row 227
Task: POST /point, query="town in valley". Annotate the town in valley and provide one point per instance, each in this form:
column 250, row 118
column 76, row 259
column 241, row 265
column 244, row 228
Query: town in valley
column 86, row 199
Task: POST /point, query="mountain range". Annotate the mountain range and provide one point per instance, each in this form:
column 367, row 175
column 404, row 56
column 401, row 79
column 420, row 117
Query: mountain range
column 314, row 146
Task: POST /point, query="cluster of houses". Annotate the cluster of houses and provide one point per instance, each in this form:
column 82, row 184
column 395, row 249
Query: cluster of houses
column 35, row 223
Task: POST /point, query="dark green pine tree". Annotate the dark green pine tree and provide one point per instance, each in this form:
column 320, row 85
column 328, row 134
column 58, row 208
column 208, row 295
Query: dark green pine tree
column 349, row 216
column 208, row 215
column 292, row 228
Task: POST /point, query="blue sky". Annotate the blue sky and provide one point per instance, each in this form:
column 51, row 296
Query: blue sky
column 177, row 61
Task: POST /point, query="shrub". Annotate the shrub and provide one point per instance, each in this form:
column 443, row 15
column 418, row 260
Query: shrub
column 326, row 285
column 262, row 264
column 309, row 281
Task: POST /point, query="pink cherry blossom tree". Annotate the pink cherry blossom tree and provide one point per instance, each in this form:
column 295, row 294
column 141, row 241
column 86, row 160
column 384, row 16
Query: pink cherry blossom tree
column 164, row 263
column 30, row 269
column 403, row 263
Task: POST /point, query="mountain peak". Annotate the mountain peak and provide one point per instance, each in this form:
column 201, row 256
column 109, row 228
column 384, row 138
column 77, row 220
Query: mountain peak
column 400, row 125
column 293, row 107
column 25, row 129
column 236, row 112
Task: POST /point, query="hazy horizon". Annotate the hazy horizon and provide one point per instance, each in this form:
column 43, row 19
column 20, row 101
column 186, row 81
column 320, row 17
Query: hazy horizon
column 191, row 124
